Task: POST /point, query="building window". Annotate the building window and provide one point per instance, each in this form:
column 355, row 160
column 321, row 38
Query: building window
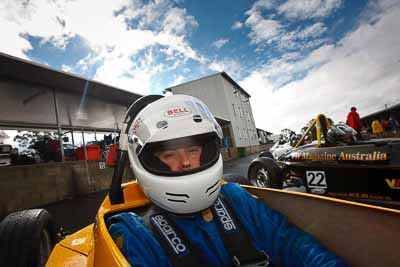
column 234, row 111
column 240, row 113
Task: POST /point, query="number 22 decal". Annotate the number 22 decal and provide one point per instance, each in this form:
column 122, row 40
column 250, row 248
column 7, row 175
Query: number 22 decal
column 316, row 179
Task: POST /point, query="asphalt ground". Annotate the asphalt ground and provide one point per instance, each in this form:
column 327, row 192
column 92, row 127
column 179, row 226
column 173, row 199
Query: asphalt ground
column 74, row 214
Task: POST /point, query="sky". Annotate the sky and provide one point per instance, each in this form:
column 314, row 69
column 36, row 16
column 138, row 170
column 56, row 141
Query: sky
column 296, row 58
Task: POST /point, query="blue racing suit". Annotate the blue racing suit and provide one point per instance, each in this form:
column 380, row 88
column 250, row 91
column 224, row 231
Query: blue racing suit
column 285, row 244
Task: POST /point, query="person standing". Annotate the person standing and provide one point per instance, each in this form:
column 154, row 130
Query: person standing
column 394, row 124
column 377, row 128
column 354, row 121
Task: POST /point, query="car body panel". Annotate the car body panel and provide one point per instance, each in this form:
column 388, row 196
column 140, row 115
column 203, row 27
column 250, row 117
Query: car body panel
column 81, row 241
column 362, row 234
column 366, row 171
column 318, row 215
column 93, row 245
column 62, row 256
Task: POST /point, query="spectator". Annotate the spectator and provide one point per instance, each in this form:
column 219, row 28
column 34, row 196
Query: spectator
column 385, row 125
column 377, row 128
column 394, row 124
column 354, row 121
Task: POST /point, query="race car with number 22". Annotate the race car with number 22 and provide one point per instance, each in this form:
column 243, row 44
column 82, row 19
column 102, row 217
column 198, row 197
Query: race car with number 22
column 366, row 171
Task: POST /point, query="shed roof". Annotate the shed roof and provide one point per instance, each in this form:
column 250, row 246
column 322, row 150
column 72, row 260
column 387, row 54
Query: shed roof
column 14, row 68
column 27, row 106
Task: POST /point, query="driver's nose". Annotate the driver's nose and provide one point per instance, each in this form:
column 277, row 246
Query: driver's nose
column 184, row 159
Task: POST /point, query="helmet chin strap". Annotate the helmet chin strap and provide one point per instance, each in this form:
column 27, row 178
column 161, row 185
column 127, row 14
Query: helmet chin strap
column 116, row 195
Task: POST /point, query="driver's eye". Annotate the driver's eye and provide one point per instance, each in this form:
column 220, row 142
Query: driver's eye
column 193, row 149
column 168, row 155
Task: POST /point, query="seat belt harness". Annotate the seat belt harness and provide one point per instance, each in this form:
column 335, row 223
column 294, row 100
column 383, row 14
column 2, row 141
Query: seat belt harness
column 235, row 238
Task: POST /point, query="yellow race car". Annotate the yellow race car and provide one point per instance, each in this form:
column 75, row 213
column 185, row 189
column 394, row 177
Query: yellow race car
column 363, row 235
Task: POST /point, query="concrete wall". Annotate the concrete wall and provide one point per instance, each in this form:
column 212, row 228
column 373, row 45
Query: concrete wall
column 29, row 186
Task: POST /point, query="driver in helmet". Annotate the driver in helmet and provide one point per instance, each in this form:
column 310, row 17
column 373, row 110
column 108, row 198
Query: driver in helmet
column 197, row 219
column 341, row 134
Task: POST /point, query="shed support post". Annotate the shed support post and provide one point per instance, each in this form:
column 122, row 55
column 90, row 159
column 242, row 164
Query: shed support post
column 58, row 126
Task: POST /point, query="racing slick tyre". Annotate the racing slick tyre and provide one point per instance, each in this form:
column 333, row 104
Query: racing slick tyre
column 235, row 178
column 266, row 154
column 26, row 238
column 265, row 173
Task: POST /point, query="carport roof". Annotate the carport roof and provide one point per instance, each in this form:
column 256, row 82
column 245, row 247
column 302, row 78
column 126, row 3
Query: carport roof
column 394, row 108
column 25, row 71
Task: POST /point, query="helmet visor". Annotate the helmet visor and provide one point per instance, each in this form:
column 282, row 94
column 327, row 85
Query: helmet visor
column 181, row 156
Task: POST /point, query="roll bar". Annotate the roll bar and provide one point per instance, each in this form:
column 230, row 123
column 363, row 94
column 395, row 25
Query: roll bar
column 322, row 124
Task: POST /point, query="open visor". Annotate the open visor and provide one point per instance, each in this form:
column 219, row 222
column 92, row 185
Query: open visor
column 181, row 156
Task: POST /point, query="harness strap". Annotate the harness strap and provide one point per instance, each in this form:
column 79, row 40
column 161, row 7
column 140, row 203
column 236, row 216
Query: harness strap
column 235, row 237
column 179, row 250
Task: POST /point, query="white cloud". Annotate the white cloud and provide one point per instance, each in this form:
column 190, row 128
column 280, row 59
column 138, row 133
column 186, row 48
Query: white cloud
column 308, row 8
column 176, row 21
column 301, row 38
column 67, row 68
column 237, row 25
column 115, row 31
column 230, row 66
column 313, row 30
column 262, row 4
column 362, row 70
column 220, row 42
column 180, row 79
column 261, row 29
column 132, row 75
column 270, row 30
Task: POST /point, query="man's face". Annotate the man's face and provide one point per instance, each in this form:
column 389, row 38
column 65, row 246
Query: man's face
column 181, row 159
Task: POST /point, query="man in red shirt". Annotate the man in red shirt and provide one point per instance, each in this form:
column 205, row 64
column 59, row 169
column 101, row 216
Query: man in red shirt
column 354, row 121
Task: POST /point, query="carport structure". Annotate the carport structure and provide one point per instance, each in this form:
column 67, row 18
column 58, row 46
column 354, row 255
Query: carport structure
column 34, row 96
column 383, row 113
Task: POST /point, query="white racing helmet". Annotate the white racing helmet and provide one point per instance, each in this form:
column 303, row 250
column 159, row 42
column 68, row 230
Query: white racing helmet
column 171, row 122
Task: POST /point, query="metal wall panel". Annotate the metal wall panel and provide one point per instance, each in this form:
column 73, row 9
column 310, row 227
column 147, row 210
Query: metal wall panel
column 22, row 103
column 28, row 106
column 81, row 111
